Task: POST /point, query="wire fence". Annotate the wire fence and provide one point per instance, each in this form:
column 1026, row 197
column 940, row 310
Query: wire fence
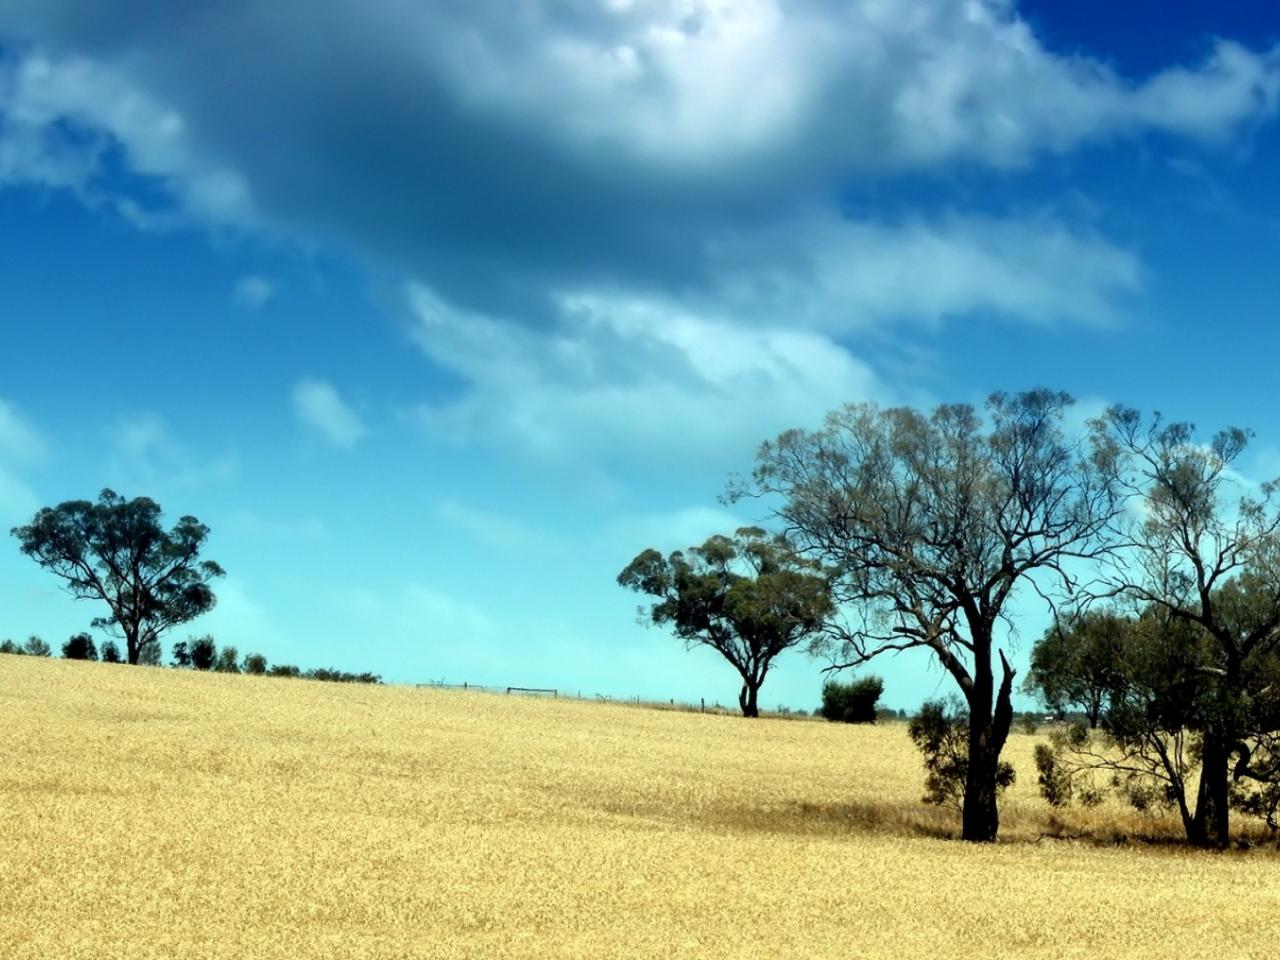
column 671, row 703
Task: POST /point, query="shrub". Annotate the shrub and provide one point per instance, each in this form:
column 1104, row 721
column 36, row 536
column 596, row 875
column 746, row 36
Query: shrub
column 339, row 676
column 228, row 661
column 853, row 702
column 11, row 646
column 941, row 732
column 203, row 652
column 80, row 647
column 35, row 647
column 255, row 664
column 283, row 670
column 181, row 654
column 111, row 653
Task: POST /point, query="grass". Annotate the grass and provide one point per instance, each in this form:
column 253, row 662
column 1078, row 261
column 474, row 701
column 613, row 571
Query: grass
column 156, row 813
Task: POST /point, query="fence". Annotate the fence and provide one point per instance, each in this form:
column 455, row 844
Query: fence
column 669, row 704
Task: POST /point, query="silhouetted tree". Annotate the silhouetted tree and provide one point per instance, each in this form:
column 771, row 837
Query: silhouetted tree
column 748, row 597
column 80, row 647
column 182, row 654
column 204, row 652
column 111, row 653
column 932, row 522
column 116, row 551
column 255, row 664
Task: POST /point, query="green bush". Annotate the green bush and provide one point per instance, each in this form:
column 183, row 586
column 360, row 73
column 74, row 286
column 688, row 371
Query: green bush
column 80, row 647
column 941, row 732
column 11, row 646
column 111, row 653
column 228, row 661
column 255, row 664
column 852, row 702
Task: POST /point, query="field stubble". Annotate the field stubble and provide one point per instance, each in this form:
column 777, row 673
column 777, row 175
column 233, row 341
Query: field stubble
column 157, row 813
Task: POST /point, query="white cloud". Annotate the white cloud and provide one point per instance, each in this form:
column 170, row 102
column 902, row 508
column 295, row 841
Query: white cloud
column 253, row 292
column 318, row 405
column 628, row 379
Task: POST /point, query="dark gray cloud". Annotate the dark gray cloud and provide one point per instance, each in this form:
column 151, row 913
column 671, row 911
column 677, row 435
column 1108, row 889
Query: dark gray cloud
column 503, row 153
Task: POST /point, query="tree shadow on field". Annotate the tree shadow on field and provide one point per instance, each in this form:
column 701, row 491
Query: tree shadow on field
column 807, row 818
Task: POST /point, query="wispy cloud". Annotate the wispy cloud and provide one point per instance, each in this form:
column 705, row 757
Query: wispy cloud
column 318, row 405
column 253, row 292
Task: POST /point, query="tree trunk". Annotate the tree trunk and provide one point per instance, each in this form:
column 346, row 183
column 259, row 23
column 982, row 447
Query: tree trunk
column 1211, row 824
column 988, row 731
column 133, row 649
column 747, row 699
column 980, row 818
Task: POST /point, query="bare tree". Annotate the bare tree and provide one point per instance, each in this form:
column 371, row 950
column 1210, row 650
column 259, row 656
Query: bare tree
column 932, row 522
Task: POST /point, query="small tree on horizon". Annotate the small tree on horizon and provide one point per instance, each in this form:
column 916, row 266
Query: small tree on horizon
column 116, row 551
column 749, row 597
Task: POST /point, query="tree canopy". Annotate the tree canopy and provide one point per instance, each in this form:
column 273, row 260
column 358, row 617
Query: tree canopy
column 748, row 597
column 116, row 551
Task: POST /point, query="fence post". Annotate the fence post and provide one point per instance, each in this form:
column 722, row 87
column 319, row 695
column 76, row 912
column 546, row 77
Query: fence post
column 704, row 704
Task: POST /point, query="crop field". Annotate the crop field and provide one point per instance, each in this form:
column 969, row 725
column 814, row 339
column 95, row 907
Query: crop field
column 161, row 813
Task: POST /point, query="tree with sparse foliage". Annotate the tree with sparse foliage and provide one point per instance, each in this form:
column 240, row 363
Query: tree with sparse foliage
column 749, row 597
column 80, row 647
column 35, row 647
column 932, row 523
column 1204, row 551
column 116, row 551
column 111, row 653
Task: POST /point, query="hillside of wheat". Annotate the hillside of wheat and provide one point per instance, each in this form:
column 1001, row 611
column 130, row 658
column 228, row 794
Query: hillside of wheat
column 161, row 813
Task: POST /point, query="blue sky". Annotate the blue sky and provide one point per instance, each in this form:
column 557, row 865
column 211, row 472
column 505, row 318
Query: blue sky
column 437, row 314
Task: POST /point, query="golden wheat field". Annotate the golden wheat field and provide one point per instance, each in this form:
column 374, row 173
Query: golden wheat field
column 158, row 813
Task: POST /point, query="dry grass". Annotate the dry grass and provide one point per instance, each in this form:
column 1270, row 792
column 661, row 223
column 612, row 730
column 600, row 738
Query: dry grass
column 152, row 813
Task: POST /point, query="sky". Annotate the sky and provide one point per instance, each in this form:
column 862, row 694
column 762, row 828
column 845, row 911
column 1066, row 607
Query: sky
column 437, row 314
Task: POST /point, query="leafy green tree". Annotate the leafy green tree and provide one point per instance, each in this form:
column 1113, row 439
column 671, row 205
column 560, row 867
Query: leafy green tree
column 111, row 653
column 80, row 647
column 255, row 664
column 35, row 647
column 749, row 597
column 1073, row 665
column 852, row 702
column 116, row 551
column 932, row 523
column 182, row 654
column 8, row 645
